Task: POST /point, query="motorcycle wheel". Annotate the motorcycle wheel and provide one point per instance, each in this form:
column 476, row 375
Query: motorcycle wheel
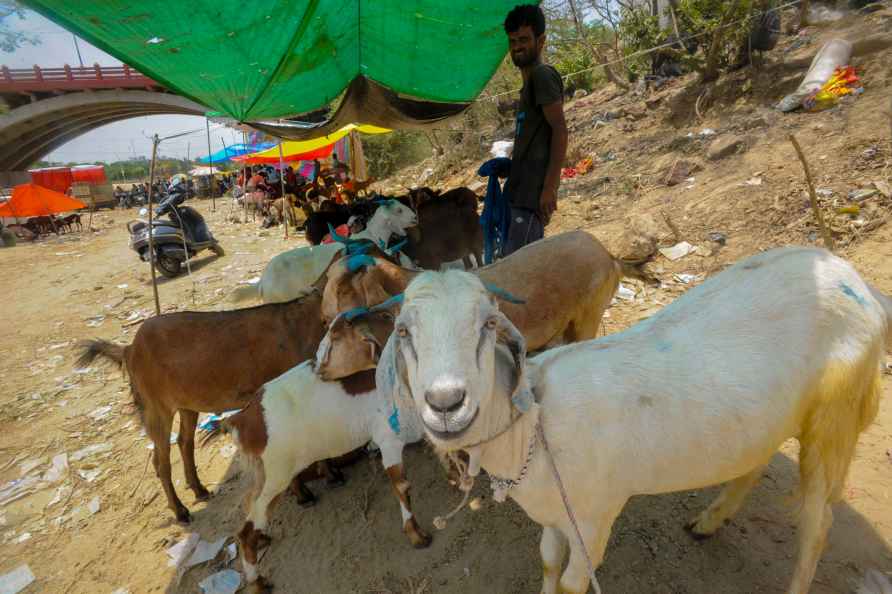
column 169, row 267
column 218, row 250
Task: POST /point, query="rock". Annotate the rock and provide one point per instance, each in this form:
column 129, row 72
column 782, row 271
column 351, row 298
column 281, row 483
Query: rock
column 725, row 147
column 883, row 188
column 640, row 239
column 755, row 123
column 635, row 112
column 681, row 171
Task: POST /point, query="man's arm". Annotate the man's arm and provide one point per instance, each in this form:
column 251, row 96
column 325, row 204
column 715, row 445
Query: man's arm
column 554, row 115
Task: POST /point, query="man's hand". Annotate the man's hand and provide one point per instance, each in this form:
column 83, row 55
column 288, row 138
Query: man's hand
column 547, row 204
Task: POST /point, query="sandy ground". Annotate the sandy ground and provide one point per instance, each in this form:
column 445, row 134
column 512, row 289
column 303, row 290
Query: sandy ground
column 89, row 284
column 351, row 541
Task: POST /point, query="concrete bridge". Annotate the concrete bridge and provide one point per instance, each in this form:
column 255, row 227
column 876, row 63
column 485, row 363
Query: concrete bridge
column 47, row 107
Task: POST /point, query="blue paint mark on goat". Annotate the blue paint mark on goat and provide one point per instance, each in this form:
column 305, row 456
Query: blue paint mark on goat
column 851, row 293
column 394, row 420
column 357, row 262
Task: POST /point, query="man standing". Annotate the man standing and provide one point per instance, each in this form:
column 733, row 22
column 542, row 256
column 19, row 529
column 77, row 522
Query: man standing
column 540, row 135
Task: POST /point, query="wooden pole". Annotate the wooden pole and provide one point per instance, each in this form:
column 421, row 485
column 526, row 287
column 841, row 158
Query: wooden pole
column 828, row 238
column 245, row 177
column 286, row 206
column 207, row 125
column 155, row 142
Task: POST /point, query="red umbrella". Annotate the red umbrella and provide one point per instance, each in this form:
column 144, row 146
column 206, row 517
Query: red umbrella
column 31, row 200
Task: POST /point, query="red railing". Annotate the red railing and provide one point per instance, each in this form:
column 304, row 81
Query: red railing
column 72, row 78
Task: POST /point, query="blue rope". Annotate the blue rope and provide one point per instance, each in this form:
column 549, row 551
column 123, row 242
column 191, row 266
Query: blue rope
column 503, row 294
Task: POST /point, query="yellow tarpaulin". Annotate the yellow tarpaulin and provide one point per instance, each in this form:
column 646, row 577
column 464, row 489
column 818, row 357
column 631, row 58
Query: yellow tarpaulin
column 301, row 147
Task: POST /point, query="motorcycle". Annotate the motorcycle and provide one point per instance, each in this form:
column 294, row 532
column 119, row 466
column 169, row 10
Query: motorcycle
column 179, row 236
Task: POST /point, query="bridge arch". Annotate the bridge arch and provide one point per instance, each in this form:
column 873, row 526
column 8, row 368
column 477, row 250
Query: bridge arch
column 33, row 130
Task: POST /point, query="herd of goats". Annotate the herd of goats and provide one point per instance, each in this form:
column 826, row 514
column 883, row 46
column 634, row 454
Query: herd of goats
column 34, row 227
column 367, row 339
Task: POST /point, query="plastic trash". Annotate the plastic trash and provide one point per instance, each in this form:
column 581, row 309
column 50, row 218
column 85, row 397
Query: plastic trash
column 227, row 581
column 502, row 149
column 16, row 580
column 213, row 421
column 91, row 450
column 834, row 54
column 93, row 506
column 677, row 251
column 58, row 470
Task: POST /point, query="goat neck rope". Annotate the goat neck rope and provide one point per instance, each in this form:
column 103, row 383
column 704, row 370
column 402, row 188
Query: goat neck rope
column 501, row 486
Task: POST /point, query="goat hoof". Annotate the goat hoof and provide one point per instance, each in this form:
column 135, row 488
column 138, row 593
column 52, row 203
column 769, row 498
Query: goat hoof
column 418, row 537
column 698, row 536
column 183, row 515
column 307, row 501
column 262, row 585
column 202, row 494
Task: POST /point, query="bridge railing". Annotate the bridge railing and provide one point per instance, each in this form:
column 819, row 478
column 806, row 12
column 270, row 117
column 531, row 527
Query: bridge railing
column 72, row 78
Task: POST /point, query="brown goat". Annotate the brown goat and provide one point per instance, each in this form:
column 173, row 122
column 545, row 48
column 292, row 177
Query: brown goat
column 559, row 306
column 195, row 362
column 448, row 228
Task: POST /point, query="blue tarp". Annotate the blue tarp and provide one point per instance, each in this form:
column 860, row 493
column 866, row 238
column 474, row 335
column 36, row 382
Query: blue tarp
column 235, row 150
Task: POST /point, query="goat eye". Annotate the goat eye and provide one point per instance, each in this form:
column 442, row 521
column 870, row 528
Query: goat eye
column 491, row 324
column 402, row 332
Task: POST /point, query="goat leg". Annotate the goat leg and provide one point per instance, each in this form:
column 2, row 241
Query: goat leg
column 186, row 441
column 418, row 537
column 305, row 497
column 333, row 475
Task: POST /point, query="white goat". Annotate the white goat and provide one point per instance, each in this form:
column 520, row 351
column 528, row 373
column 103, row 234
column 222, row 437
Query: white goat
column 290, row 274
column 788, row 343
column 297, row 419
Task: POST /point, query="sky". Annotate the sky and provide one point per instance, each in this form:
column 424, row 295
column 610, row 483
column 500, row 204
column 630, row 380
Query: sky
column 120, row 140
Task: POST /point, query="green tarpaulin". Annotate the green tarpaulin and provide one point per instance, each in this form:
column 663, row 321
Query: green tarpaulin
column 409, row 60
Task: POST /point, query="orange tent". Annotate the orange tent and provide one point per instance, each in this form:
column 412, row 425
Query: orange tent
column 31, row 200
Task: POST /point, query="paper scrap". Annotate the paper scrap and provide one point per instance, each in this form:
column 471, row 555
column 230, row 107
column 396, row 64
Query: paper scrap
column 16, row 580
column 677, row 251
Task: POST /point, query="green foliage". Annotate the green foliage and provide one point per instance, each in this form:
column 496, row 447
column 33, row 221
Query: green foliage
column 386, row 153
column 700, row 21
column 639, row 30
column 11, row 40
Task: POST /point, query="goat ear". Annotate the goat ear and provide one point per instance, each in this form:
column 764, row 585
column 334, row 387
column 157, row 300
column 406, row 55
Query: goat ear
column 508, row 334
column 391, row 380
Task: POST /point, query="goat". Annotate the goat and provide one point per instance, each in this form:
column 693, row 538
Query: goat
column 175, row 364
column 291, row 273
column 448, row 229
column 557, row 306
column 788, row 343
column 298, row 418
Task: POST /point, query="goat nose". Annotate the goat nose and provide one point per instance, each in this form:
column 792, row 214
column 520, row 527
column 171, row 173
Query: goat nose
column 445, row 400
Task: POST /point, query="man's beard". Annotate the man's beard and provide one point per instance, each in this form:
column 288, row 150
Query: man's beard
column 526, row 59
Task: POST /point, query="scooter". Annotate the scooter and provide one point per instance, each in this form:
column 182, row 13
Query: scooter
column 176, row 238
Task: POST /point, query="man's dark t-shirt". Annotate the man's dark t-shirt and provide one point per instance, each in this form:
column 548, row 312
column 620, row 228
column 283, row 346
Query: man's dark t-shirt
column 532, row 137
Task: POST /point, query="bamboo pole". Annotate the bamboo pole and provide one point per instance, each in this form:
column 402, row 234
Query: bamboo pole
column 286, row 206
column 207, row 126
column 245, row 177
column 813, row 197
column 155, row 142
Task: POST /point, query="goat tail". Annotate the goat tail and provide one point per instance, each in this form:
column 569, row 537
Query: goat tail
column 246, row 293
column 634, row 269
column 886, row 303
column 90, row 349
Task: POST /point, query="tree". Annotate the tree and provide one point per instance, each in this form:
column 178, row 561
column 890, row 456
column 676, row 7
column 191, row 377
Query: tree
column 11, row 40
